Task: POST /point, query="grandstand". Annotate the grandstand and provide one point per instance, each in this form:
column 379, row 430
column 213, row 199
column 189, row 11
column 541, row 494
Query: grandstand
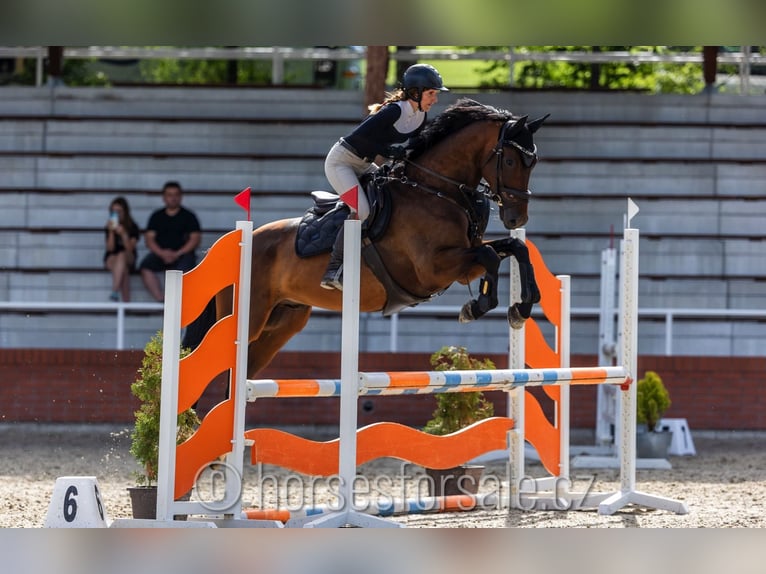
column 694, row 164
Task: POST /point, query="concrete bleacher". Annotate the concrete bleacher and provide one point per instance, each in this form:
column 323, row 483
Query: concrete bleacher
column 694, row 164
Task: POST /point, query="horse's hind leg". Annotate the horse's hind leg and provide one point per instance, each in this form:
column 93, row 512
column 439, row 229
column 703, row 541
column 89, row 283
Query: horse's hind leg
column 284, row 322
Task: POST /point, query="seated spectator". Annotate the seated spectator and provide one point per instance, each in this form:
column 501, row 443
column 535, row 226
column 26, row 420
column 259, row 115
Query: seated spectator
column 172, row 236
column 122, row 235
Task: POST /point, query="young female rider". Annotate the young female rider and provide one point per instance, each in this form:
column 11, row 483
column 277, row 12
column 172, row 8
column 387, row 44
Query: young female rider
column 401, row 116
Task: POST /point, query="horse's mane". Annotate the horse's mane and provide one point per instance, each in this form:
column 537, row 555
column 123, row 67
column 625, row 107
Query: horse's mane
column 463, row 112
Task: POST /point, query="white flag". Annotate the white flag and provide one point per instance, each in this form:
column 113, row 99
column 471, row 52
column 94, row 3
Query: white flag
column 632, row 210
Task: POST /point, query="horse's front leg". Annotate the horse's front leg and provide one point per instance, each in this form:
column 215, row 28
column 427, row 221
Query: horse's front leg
column 488, row 258
column 530, row 294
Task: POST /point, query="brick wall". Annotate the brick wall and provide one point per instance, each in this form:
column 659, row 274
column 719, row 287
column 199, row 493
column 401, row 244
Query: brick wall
column 82, row 386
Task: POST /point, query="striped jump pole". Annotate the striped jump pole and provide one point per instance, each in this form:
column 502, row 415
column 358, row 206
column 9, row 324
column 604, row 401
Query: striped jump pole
column 432, row 382
column 388, row 507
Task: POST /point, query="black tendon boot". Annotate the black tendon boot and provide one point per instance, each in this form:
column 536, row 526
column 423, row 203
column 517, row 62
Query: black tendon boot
column 333, row 277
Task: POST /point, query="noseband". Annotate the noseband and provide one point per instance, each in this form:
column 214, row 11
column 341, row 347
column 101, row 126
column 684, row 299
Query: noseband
column 528, row 157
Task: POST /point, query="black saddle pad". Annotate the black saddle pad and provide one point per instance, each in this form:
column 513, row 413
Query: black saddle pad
column 320, row 224
column 317, row 231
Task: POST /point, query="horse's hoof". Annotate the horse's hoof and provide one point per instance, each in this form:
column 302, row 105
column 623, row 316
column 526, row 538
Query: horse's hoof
column 515, row 318
column 466, row 315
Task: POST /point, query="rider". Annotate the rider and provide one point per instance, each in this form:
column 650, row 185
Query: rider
column 401, row 116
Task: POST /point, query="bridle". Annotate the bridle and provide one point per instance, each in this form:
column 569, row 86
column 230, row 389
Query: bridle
column 528, row 157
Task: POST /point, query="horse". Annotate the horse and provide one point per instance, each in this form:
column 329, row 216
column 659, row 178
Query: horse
column 439, row 197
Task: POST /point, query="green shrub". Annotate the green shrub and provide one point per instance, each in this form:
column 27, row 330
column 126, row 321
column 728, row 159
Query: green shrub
column 652, row 400
column 455, row 411
column 146, row 432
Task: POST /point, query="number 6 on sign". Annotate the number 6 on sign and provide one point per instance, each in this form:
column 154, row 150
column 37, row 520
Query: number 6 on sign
column 76, row 503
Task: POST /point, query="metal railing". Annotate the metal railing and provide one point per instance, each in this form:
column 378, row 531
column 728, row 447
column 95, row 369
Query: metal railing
column 744, row 59
column 119, row 309
column 670, row 315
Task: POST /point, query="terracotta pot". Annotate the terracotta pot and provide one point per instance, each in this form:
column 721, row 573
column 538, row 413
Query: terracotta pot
column 462, row 479
column 143, row 500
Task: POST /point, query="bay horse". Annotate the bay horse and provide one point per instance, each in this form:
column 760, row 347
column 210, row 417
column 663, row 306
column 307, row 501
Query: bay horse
column 434, row 237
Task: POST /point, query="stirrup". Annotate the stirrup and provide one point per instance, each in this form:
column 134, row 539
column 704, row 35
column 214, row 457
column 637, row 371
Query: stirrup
column 333, row 279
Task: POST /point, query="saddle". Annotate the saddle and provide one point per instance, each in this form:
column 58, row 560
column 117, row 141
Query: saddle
column 322, row 221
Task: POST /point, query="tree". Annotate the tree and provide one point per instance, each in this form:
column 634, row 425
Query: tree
column 377, row 70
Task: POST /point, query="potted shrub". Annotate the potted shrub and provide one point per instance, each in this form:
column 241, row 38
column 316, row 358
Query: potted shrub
column 652, row 400
column 145, row 438
column 455, row 411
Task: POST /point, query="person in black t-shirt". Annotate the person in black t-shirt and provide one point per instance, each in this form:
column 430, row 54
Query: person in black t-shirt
column 172, row 236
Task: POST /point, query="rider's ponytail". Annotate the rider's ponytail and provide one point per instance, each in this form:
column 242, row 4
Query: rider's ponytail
column 396, row 96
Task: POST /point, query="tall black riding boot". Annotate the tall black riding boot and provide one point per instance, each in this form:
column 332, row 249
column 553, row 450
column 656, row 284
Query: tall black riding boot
column 333, row 277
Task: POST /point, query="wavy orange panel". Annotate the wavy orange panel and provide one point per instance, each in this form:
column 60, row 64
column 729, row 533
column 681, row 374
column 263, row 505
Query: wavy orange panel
column 272, row 446
column 542, row 435
column 554, row 393
column 538, row 353
column 218, row 269
column 212, row 439
column 217, row 353
column 549, row 285
column 430, row 451
column 385, row 439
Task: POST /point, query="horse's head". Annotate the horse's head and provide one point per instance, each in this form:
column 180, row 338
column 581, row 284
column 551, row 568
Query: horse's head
column 438, row 157
column 508, row 177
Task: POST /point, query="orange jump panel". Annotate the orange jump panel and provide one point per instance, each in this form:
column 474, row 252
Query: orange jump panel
column 272, row 446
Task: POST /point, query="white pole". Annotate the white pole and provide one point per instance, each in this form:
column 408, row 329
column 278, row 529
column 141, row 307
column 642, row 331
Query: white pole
column 349, row 370
column 629, row 346
column 120, row 326
column 171, row 356
column 606, row 396
column 234, row 461
column 629, row 359
column 349, row 389
column 563, row 342
column 516, row 396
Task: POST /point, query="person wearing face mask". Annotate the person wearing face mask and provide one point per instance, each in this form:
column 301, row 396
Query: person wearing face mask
column 121, row 237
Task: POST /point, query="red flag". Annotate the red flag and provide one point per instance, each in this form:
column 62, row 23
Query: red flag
column 243, row 200
column 351, row 198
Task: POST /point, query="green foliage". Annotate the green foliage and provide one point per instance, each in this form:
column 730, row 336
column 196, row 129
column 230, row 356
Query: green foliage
column 455, row 411
column 204, row 72
column 146, row 432
column 652, row 399
column 658, row 77
column 74, row 73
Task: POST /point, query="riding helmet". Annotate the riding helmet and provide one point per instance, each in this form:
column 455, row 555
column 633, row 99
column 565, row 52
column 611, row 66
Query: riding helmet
column 424, row 77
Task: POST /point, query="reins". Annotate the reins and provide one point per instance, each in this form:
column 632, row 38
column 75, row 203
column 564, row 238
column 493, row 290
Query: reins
column 475, row 227
column 467, row 193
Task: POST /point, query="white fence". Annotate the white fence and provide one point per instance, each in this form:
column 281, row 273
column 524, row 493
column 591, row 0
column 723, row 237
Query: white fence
column 121, row 310
column 278, row 55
